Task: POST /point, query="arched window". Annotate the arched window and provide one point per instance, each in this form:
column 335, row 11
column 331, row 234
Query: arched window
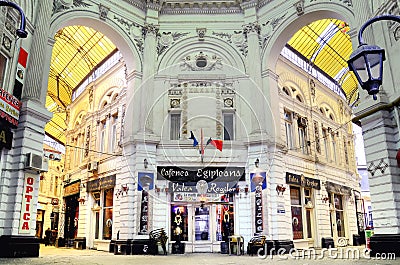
column 286, row 90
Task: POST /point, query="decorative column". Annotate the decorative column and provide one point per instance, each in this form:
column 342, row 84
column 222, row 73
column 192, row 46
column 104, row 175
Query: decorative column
column 257, row 97
column 21, row 184
column 146, row 91
column 36, row 76
column 380, row 127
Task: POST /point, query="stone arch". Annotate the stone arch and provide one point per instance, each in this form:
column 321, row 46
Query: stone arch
column 79, row 117
column 291, row 81
column 108, row 97
column 113, row 31
column 230, row 56
column 294, row 23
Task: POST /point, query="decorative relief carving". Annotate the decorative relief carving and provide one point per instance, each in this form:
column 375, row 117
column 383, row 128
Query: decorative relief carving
column 251, row 28
column 348, row 2
column 269, row 27
column 103, row 12
column 299, row 7
column 149, row 28
column 201, row 32
column 201, row 62
column 135, row 30
column 238, row 39
column 62, row 5
column 167, row 39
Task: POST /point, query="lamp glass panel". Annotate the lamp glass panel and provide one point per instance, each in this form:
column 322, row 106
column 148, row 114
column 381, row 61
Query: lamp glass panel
column 375, row 61
column 361, row 67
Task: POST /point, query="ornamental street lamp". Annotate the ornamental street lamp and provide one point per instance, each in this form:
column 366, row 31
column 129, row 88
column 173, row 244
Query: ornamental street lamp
column 21, row 32
column 367, row 60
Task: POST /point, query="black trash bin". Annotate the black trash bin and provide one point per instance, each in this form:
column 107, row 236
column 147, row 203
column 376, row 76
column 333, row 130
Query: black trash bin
column 178, row 248
column 122, row 247
column 224, row 247
column 327, row 242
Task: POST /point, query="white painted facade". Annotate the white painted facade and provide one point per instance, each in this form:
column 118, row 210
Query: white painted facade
column 242, row 43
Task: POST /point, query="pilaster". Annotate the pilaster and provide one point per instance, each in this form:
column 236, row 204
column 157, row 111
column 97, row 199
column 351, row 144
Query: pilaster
column 36, row 76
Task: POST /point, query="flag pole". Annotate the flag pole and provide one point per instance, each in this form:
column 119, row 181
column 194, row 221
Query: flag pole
column 201, row 145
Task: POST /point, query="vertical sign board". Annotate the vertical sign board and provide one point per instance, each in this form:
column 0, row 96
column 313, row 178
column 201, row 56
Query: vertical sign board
column 26, row 223
column 144, row 213
column 20, row 75
column 259, row 210
column 9, row 108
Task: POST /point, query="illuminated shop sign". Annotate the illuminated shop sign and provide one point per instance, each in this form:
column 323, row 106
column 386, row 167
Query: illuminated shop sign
column 212, row 187
column 194, row 174
column 9, row 108
column 303, row 181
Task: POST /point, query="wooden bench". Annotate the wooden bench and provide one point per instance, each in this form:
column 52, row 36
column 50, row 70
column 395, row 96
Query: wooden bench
column 255, row 244
column 160, row 237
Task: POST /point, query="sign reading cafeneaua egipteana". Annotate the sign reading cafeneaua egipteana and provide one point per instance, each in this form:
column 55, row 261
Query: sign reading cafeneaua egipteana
column 185, row 179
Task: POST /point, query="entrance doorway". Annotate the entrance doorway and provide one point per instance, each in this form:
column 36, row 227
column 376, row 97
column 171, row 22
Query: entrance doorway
column 202, row 227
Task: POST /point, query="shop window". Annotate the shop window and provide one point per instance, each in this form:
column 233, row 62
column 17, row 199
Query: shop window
column 108, row 213
column 297, row 220
column 289, row 129
column 225, row 221
column 228, row 126
column 179, row 223
column 338, row 202
column 175, row 126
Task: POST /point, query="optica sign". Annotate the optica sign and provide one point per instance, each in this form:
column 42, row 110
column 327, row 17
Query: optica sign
column 27, row 209
column 9, row 108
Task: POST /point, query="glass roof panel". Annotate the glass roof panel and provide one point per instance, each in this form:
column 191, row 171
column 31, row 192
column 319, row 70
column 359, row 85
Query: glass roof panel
column 326, row 44
column 76, row 52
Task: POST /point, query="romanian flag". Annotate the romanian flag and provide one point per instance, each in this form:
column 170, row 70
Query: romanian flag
column 195, row 142
column 216, row 143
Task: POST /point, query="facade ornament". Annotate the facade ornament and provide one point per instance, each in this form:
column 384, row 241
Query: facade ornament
column 167, row 39
column 253, row 27
column 269, row 27
column 238, row 39
column 62, row 5
column 134, row 30
column 299, row 7
column 201, row 32
column 103, row 12
column 201, row 62
column 149, row 28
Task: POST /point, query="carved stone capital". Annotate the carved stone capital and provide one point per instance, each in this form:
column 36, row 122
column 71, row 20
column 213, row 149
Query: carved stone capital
column 150, row 29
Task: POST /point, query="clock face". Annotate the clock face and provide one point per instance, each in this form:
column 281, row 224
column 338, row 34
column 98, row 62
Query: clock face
column 175, row 103
column 228, row 102
column 7, row 43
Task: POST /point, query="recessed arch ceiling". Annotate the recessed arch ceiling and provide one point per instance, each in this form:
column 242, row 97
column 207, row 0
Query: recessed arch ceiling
column 78, row 50
column 326, row 46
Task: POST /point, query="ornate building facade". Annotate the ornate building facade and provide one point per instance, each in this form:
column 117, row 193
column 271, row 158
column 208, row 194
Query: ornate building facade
column 201, row 124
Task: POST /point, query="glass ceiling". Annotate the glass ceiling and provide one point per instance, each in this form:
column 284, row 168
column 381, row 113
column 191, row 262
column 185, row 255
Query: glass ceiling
column 78, row 50
column 76, row 53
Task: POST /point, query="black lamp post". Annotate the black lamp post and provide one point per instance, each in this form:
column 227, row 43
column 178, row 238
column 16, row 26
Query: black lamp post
column 21, row 32
column 367, row 61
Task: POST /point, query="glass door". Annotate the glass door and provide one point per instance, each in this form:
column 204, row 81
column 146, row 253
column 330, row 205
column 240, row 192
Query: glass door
column 202, row 223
